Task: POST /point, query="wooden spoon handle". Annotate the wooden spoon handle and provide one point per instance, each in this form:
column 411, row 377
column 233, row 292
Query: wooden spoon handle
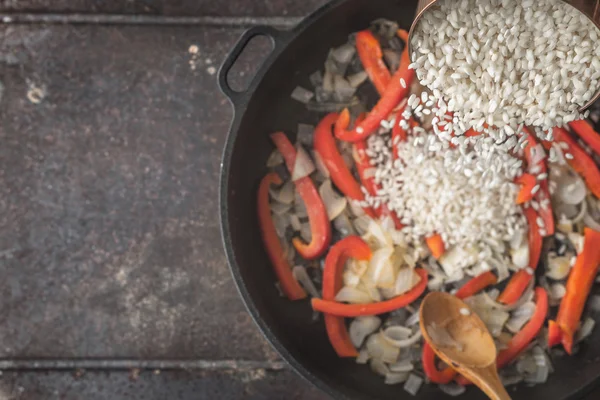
column 488, row 380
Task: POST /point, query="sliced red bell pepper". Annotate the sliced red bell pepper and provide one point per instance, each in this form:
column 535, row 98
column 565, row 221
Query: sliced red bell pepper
column 341, row 176
column 586, row 132
column 580, row 161
column 394, row 92
column 579, row 284
column 524, row 337
column 381, row 307
column 476, row 285
column 291, row 288
column 371, row 57
column 521, row 340
column 363, row 166
column 349, row 247
column 543, row 194
column 436, row 245
column 519, row 281
column 469, row 289
column 320, row 227
column 527, row 182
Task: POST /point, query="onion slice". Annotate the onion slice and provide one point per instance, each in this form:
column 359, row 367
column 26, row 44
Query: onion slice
column 362, row 327
column 334, row 204
column 303, row 165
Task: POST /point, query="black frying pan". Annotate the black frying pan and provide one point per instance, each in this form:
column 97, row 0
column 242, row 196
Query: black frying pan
column 265, row 107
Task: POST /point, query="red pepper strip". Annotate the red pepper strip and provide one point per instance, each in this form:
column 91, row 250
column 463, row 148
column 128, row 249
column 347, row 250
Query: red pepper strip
column 283, row 270
column 543, row 194
column 371, row 57
column 521, row 340
column 527, row 182
column 476, row 285
column 519, row 281
column 586, row 132
column 469, row 289
column 320, row 227
column 442, row 377
column 580, row 162
column 579, row 285
column 436, row 245
column 363, row 166
column 350, row 246
column 394, row 92
column 341, row 176
column 381, row 307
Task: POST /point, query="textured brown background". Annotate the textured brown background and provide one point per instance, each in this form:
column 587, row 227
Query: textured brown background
column 109, row 239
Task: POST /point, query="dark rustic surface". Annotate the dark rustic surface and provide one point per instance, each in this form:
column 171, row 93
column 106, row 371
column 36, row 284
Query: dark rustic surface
column 109, row 239
column 169, row 7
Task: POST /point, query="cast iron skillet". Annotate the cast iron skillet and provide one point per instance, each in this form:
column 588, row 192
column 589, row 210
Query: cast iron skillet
column 266, row 107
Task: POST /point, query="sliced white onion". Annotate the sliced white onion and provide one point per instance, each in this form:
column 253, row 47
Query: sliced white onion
column 303, row 166
column 458, row 258
column 357, row 211
column 363, row 357
column 302, row 277
column 433, row 269
column 280, row 208
column 352, row 295
column 299, row 207
column 406, row 280
column 403, row 365
column 344, row 53
column 361, row 224
column 585, row 330
column 594, row 302
column 275, row 159
column 520, row 256
column 413, row 319
column 501, row 268
column 351, row 279
column 362, row 327
column 376, row 233
column 281, row 224
column 577, row 240
column 305, row 232
column 302, row 95
column 295, row 223
column 435, row 284
column 334, row 203
column 452, row 389
column 379, row 348
column 495, row 320
column 357, row 79
column 372, row 290
column 359, row 267
column 591, row 222
column 392, row 337
column 285, row 194
column 413, row 384
column 540, row 375
column 571, row 188
column 320, row 165
column 520, row 317
column 557, row 291
column 379, row 367
column 381, row 271
column 395, row 378
column 558, row 267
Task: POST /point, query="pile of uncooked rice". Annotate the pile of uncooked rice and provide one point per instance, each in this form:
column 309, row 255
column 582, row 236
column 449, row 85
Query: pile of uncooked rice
column 437, row 189
column 506, row 63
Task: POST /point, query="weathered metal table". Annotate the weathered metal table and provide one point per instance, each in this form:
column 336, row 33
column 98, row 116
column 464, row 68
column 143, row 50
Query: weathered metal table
column 114, row 283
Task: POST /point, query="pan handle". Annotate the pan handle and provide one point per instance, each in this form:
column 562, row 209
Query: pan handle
column 270, row 32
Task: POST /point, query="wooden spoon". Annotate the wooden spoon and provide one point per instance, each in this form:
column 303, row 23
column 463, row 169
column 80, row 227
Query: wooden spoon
column 461, row 340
